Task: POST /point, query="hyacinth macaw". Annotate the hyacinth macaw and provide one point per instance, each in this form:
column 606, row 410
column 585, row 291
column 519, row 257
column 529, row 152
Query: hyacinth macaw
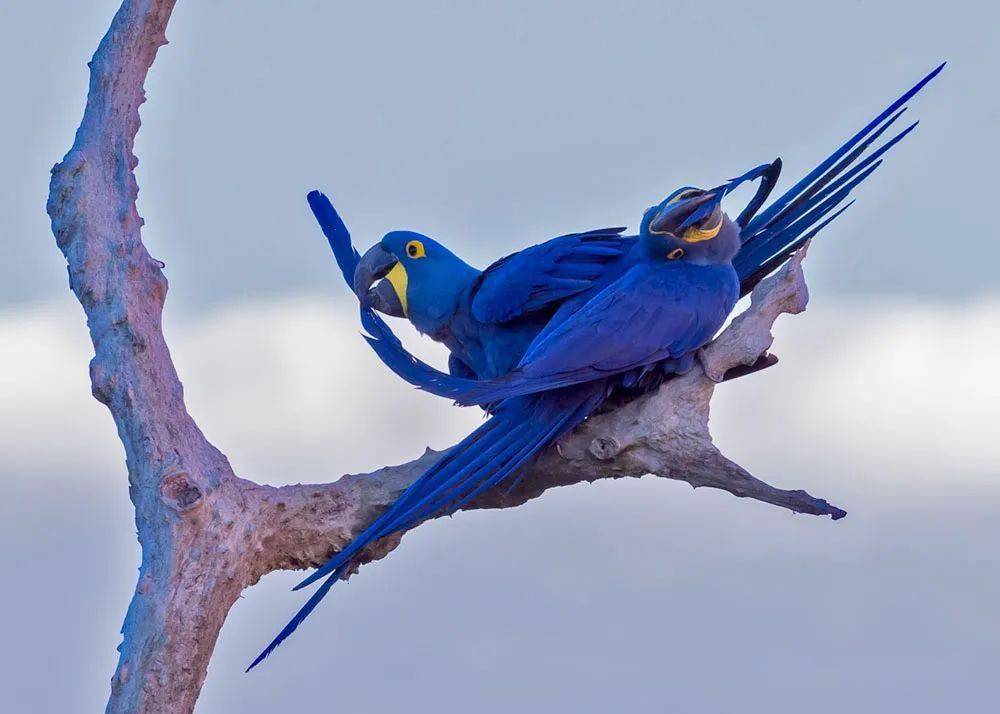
column 647, row 310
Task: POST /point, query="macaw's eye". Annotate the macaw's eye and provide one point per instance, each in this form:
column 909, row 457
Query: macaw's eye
column 675, row 254
column 415, row 249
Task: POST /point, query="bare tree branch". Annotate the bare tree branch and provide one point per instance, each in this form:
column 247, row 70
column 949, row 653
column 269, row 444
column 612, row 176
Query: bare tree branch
column 182, row 487
column 206, row 534
column 664, row 433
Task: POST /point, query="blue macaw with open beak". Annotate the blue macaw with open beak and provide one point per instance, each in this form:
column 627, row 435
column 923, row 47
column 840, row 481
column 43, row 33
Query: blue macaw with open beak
column 647, row 311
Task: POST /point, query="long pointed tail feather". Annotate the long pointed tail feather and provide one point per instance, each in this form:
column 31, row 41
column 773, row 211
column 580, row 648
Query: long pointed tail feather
column 336, row 234
column 747, row 284
column 494, row 452
column 774, row 238
column 484, row 441
column 751, row 257
column 297, row 620
column 769, row 227
column 765, row 216
column 788, row 203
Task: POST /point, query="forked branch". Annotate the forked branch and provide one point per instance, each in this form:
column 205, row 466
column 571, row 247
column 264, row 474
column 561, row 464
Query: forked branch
column 207, row 534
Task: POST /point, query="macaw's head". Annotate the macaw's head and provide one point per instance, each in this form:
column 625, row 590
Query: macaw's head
column 690, row 224
column 407, row 274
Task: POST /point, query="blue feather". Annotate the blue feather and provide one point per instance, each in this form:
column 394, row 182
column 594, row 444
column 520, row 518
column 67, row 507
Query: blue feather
column 488, row 456
column 843, row 164
column 297, row 620
column 803, row 184
column 752, row 257
column 748, row 283
column 336, row 234
column 766, row 237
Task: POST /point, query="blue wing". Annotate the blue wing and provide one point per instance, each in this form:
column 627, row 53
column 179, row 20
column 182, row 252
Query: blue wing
column 651, row 313
column 534, row 278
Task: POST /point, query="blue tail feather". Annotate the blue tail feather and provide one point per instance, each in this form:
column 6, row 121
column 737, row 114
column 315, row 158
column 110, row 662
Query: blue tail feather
column 494, row 452
column 761, row 219
column 801, row 205
column 811, row 212
column 766, row 235
column 336, row 234
column 752, row 256
column 747, row 284
column 297, row 620
column 844, row 163
column 483, row 438
column 478, row 478
column 457, row 475
column 768, row 175
column 593, row 396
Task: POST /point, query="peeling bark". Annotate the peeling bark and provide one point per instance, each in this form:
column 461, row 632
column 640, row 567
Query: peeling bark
column 206, row 534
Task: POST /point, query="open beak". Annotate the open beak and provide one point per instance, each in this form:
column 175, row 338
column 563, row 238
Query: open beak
column 675, row 217
column 375, row 265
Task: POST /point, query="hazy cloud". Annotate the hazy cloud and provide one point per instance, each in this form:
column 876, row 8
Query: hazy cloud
column 639, row 594
column 290, row 391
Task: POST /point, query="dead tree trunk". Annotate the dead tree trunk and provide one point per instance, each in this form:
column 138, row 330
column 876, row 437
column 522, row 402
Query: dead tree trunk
column 207, row 534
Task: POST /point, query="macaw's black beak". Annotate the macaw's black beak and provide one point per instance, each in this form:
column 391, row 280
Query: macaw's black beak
column 375, row 265
column 670, row 218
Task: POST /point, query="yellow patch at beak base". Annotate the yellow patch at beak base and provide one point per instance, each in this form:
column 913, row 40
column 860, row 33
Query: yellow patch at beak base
column 697, row 235
column 398, row 278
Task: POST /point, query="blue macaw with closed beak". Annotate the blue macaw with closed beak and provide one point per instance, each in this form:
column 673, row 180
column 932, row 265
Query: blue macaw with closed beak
column 616, row 317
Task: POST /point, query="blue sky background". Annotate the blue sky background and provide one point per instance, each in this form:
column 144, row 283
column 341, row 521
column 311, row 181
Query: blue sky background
column 492, row 126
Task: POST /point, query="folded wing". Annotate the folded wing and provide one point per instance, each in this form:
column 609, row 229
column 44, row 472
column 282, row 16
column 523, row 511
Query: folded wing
column 538, row 277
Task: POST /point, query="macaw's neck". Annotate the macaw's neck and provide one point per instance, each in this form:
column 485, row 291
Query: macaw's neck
column 433, row 303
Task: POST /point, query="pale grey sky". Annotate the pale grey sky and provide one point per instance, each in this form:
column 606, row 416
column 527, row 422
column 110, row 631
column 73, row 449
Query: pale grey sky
column 495, row 125
column 492, row 126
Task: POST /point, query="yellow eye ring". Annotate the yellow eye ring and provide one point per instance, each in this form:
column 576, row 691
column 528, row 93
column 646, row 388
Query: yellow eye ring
column 415, row 249
column 675, row 254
